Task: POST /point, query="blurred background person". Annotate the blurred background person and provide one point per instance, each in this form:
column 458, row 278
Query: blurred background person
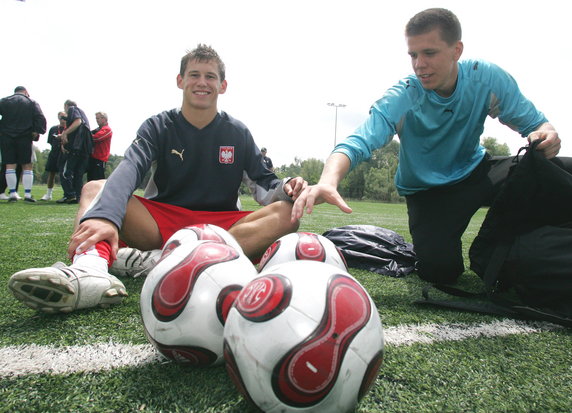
column 77, row 145
column 266, row 160
column 22, row 123
column 101, row 147
column 54, row 163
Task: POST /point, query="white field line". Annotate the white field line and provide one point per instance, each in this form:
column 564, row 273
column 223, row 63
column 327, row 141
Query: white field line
column 34, row 359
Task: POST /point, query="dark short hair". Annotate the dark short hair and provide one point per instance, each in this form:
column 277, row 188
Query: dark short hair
column 203, row 53
column 70, row 103
column 430, row 19
column 19, row 89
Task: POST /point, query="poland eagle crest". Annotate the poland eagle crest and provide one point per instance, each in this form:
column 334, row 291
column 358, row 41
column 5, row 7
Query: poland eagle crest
column 226, row 154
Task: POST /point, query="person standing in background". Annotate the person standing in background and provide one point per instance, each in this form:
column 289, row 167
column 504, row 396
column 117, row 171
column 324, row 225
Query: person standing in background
column 266, row 160
column 22, row 123
column 101, row 148
column 54, row 163
column 77, row 146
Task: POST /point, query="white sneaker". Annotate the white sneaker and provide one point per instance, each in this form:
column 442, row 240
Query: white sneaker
column 63, row 289
column 132, row 262
column 46, row 197
column 17, row 196
column 4, row 197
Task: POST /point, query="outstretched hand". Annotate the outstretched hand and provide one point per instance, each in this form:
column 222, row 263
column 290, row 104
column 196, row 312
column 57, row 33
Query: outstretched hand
column 318, row 194
column 92, row 231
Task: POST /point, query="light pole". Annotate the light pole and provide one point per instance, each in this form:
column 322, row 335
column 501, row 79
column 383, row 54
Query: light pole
column 336, row 105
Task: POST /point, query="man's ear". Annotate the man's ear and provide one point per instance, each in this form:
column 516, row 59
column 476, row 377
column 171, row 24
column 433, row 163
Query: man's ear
column 459, row 50
column 223, row 87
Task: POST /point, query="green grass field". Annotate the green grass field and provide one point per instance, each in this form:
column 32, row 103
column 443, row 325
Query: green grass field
column 528, row 370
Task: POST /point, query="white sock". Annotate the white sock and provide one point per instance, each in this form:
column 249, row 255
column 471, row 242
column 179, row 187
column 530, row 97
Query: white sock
column 92, row 259
column 49, row 192
column 11, row 179
column 28, row 181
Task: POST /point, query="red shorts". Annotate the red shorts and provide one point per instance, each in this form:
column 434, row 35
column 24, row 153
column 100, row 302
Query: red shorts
column 171, row 218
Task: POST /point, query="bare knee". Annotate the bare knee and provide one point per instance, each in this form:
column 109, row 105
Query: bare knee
column 258, row 230
column 91, row 189
column 88, row 193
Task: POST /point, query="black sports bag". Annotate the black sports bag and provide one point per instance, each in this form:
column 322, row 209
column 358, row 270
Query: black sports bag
column 523, row 251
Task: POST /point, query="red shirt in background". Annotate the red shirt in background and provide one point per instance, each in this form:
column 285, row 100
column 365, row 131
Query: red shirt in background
column 101, row 143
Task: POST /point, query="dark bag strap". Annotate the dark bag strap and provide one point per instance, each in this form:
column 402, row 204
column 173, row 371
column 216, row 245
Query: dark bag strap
column 492, row 272
column 537, row 314
column 483, row 307
column 494, row 306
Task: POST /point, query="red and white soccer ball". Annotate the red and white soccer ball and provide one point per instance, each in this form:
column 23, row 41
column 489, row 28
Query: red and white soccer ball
column 302, row 246
column 201, row 232
column 185, row 299
column 303, row 336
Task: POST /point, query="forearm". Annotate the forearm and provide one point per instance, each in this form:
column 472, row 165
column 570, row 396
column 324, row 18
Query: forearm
column 335, row 169
column 71, row 128
column 102, row 135
column 545, row 127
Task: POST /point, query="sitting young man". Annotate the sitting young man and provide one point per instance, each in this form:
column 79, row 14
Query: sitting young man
column 198, row 158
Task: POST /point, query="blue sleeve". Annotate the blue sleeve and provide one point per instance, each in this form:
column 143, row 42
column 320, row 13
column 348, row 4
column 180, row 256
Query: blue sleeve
column 511, row 106
column 380, row 127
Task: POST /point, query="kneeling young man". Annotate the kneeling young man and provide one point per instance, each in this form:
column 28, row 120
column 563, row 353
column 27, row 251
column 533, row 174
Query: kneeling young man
column 438, row 113
column 198, row 158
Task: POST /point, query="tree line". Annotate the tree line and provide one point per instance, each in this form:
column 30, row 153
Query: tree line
column 370, row 180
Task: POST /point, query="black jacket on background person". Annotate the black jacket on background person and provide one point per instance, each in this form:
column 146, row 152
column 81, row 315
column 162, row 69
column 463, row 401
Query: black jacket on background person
column 21, row 116
column 79, row 141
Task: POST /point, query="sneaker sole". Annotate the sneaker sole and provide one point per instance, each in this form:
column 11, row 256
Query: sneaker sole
column 44, row 290
column 52, row 292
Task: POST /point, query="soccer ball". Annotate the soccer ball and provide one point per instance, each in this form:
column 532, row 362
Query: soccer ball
column 185, row 299
column 302, row 246
column 303, row 336
column 200, row 232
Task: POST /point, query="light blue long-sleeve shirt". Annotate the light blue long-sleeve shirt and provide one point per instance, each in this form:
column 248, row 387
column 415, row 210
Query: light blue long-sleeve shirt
column 440, row 137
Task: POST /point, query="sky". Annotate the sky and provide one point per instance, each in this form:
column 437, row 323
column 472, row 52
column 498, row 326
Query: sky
column 285, row 60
